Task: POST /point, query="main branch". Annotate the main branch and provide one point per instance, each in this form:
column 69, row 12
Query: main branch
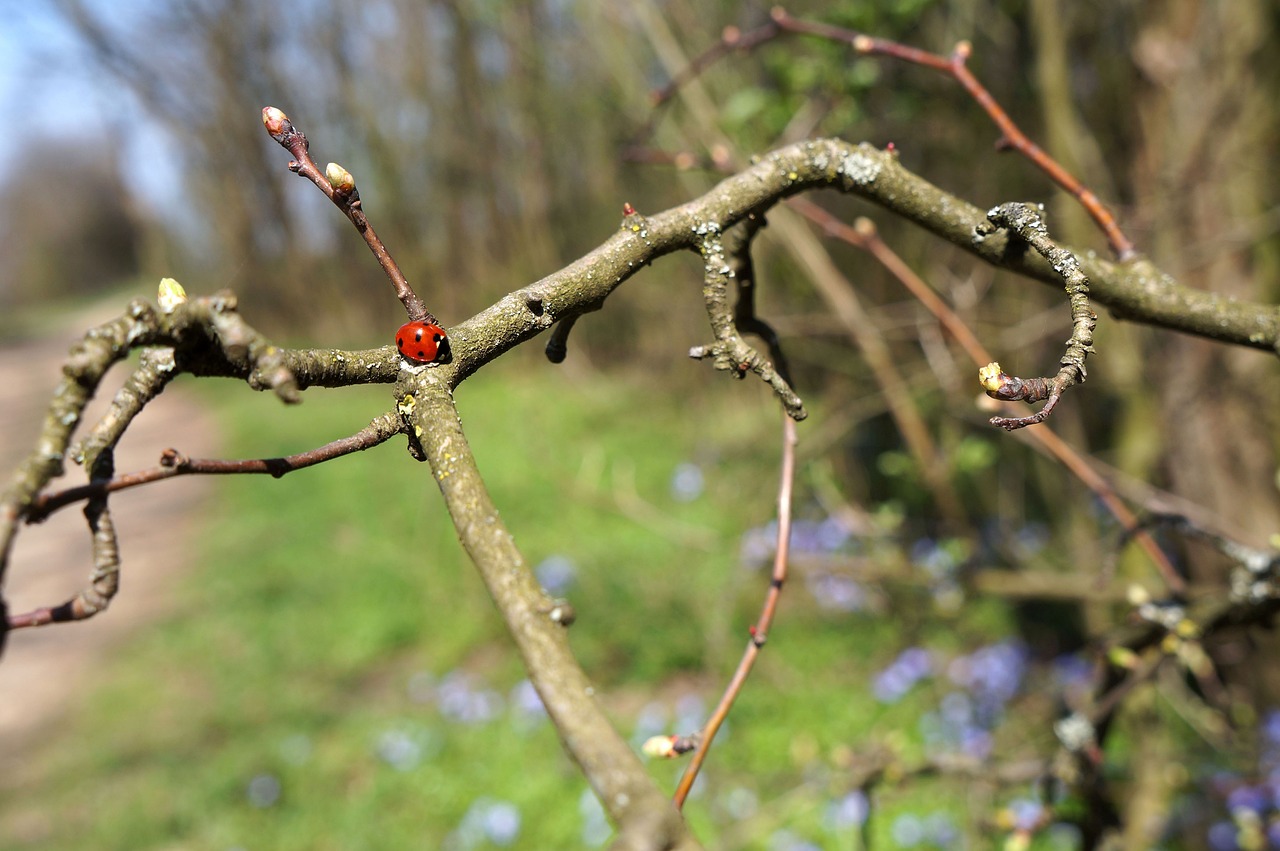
column 646, row 819
column 1136, row 291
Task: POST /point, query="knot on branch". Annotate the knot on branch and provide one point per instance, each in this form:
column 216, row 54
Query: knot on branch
column 265, row 365
column 1026, row 225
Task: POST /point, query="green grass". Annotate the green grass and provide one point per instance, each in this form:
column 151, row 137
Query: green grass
column 324, row 601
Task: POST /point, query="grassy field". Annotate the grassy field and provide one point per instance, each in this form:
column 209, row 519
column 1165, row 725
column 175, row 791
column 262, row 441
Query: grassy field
column 336, row 677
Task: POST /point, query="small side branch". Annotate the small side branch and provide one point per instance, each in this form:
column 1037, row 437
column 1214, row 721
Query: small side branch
column 1025, row 223
column 340, row 187
column 156, row 368
column 1255, row 578
column 104, row 581
column 173, row 464
column 730, row 352
column 701, row 742
column 557, row 347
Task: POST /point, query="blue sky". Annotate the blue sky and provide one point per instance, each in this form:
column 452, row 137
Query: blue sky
column 48, row 91
column 41, row 84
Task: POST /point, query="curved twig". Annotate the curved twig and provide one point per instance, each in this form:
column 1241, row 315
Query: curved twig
column 730, row 352
column 1025, row 221
column 863, row 234
column 174, row 464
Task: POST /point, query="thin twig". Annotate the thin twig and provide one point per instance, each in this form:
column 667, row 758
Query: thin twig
column 863, row 234
column 104, row 581
column 339, row 186
column 782, row 23
column 173, row 464
column 1025, row 221
column 760, row 630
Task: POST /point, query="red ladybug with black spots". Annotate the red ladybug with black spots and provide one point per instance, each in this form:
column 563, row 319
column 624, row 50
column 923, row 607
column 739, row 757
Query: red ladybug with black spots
column 423, row 341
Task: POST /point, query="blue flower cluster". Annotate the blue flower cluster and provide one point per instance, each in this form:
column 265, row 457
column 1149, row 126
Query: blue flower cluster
column 829, row 536
column 912, row 665
column 808, row 537
column 1253, row 808
column 935, row 829
column 487, row 822
column 987, row 680
column 556, row 574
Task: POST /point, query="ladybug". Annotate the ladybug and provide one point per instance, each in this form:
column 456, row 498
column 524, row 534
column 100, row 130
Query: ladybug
column 423, row 341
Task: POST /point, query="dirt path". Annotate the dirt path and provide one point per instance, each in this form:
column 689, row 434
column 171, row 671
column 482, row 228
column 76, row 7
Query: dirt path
column 44, row 670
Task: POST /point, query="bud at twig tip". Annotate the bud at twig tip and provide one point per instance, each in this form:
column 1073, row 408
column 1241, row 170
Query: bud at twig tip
column 989, row 377
column 660, row 747
column 171, row 295
column 274, row 120
column 1137, row 595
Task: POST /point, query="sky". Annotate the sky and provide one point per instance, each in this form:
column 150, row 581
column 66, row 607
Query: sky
column 48, row 91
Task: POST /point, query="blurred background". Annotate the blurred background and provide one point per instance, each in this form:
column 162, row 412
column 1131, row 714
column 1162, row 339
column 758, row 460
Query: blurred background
column 326, row 673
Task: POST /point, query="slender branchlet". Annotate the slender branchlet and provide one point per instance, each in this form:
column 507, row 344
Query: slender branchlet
column 699, row 743
column 782, row 23
column 1025, row 223
column 730, row 352
column 340, row 187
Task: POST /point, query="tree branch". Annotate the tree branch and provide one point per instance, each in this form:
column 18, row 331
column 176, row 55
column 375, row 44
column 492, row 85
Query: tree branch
column 644, row 816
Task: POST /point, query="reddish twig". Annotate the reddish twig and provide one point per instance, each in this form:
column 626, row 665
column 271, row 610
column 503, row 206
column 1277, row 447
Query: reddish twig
column 173, row 463
column 340, row 187
column 864, row 235
column 1014, row 138
column 782, row 23
column 760, row 630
